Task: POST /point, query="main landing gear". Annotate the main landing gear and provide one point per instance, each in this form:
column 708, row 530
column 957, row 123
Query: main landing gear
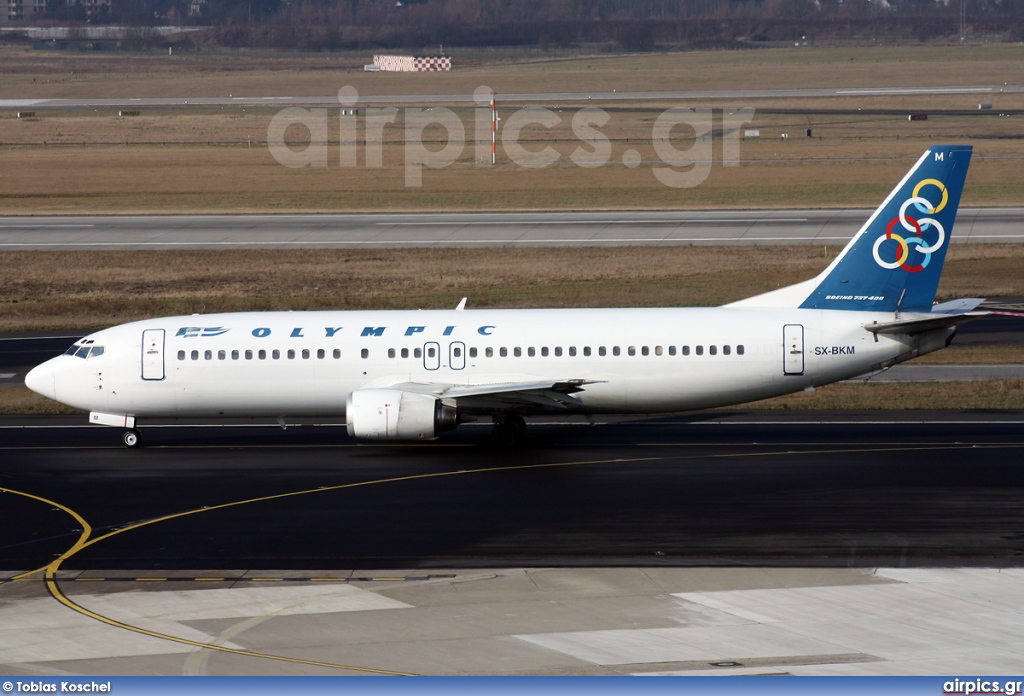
column 509, row 431
column 131, row 438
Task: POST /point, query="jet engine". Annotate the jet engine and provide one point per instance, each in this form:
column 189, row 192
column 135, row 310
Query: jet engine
column 393, row 414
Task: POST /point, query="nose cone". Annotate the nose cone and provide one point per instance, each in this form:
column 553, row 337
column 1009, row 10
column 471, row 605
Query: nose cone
column 40, row 380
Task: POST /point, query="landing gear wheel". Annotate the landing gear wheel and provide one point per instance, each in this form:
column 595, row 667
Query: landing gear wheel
column 508, row 432
column 131, row 438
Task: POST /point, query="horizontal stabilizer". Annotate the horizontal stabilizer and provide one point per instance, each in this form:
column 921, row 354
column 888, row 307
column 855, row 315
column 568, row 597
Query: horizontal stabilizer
column 942, row 316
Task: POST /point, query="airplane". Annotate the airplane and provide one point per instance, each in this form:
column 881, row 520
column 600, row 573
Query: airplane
column 410, row 375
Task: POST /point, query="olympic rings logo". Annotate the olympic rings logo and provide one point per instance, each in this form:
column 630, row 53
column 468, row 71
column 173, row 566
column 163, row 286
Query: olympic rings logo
column 917, row 226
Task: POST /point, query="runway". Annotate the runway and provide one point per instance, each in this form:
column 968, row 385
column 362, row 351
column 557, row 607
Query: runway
column 625, row 228
column 988, row 92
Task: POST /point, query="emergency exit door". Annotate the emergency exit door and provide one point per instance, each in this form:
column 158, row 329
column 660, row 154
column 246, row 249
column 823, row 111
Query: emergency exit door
column 793, row 349
column 153, row 354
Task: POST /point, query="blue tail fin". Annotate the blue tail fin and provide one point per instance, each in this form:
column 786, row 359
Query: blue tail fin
column 895, row 261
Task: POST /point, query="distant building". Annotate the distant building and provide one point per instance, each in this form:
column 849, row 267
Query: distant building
column 196, row 7
column 13, row 11
column 19, row 10
column 173, row 17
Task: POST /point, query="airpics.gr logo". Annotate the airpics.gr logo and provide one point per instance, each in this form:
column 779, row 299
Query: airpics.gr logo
column 917, row 226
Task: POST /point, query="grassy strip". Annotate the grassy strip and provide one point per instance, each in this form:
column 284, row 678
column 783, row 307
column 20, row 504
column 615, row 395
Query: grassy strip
column 82, row 290
column 904, row 396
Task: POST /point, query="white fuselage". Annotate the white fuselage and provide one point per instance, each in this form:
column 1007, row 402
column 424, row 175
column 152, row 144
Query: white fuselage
column 304, row 364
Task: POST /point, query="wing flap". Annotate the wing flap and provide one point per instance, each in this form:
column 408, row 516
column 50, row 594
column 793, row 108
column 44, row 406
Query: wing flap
column 541, row 395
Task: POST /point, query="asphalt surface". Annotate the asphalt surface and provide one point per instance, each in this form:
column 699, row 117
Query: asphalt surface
column 734, row 489
column 989, row 93
column 651, row 228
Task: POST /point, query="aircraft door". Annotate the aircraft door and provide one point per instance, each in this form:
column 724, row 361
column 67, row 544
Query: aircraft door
column 431, row 356
column 153, row 354
column 457, row 356
column 793, row 349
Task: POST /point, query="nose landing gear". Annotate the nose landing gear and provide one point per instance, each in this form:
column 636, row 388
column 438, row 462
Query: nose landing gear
column 131, row 438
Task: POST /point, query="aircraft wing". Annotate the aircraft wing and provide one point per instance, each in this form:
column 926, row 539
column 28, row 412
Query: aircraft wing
column 536, row 396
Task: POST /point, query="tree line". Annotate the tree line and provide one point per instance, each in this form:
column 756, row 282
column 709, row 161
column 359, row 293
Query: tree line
column 619, row 24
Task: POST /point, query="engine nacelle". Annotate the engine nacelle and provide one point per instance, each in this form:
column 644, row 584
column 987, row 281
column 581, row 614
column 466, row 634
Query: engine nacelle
column 393, row 414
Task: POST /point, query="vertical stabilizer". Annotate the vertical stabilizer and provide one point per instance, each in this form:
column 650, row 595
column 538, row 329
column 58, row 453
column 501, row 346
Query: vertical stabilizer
column 894, row 262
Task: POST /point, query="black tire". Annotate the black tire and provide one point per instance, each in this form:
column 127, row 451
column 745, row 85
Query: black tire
column 520, row 424
column 131, row 438
column 505, row 435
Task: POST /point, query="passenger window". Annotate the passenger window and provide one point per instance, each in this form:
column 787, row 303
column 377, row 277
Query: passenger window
column 518, row 352
column 417, row 353
column 405, row 352
column 263, row 354
column 195, row 354
column 321, row 354
column 739, row 350
column 248, row 355
column 544, row 352
column 222, row 355
column 558, row 351
column 572, row 351
column 602, row 351
column 234, row 355
column 431, row 352
column 181, row 355
column 531, row 352
column 700, row 350
column 726, row 350
column 337, row 353
column 208, row 355
column 713, row 350
column 457, row 352
column 657, row 350
column 489, row 352
column 586, row 351
column 503, row 352
column 671, row 350
column 275, row 354
column 631, row 350
column 472, row 352
column 364, row 353
column 305, row 353
column 686, row 350
column 645, row 351
column 291, row 353
column 615, row 351
column 392, row 353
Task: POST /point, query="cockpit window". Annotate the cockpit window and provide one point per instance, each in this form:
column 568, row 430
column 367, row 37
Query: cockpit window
column 84, row 351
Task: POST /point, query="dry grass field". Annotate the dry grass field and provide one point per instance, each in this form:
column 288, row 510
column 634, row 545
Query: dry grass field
column 206, row 160
column 39, row 74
